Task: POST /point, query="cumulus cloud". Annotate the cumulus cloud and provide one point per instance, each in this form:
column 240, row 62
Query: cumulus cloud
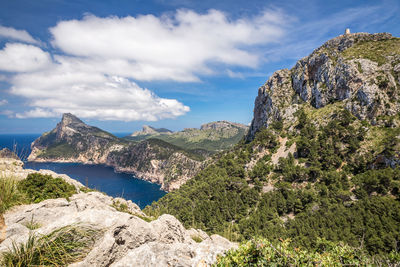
column 16, row 57
column 175, row 47
column 95, row 60
column 101, row 97
column 18, row 35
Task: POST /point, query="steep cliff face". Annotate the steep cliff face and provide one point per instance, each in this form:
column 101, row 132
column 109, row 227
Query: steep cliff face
column 360, row 70
column 156, row 161
column 153, row 160
column 73, row 140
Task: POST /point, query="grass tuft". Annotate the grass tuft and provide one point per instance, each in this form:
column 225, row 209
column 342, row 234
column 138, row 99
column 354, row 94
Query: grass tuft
column 197, row 238
column 9, row 193
column 62, row 247
column 32, row 224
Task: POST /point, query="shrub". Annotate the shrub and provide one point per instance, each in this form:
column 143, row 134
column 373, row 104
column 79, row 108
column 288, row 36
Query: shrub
column 39, row 187
column 60, row 248
column 260, row 252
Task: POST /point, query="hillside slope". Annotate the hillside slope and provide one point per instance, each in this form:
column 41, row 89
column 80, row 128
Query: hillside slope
column 211, row 138
column 153, row 160
column 167, row 159
column 321, row 158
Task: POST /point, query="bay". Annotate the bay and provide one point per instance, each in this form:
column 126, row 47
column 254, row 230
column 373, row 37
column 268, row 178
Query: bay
column 98, row 177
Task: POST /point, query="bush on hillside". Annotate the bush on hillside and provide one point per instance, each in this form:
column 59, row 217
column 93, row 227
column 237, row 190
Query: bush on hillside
column 261, row 252
column 39, row 187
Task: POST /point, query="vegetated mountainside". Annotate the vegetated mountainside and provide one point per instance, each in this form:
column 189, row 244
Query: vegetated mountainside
column 321, row 160
column 210, row 138
column 152, row 160
column 48, row 219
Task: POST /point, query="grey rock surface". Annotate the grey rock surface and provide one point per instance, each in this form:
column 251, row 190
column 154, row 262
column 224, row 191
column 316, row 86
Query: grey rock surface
column 366, row 88
column 127, row 240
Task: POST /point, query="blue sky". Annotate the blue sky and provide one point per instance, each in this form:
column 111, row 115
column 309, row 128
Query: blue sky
column 174, row 64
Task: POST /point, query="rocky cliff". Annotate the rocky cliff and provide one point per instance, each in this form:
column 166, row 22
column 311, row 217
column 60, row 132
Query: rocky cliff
column 110, row 231
column 360, row 70
column 153, row 160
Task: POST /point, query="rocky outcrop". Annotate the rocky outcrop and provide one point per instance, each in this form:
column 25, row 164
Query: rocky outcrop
column 153, row 160
column 162, row 164
column 125, row 240
column 360, row 70
column 11, row 167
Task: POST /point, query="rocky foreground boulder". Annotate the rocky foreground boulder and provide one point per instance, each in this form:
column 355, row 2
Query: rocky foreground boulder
column 125, row 235
column 127, row 240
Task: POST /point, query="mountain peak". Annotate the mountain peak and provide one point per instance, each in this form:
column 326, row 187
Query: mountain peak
column 69, row 118
column 360, row 71
column 344, row 41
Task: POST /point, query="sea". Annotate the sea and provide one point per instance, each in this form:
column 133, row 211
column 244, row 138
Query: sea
column 98, row 177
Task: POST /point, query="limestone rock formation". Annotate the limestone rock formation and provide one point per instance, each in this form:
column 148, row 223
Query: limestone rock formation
column 14, row 168
column 359, row 70
column 126, row 240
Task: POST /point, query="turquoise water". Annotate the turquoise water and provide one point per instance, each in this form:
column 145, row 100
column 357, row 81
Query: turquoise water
column 97, row 177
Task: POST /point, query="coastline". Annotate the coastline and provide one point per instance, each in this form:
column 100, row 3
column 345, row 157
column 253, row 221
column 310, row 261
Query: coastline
column 116, row 169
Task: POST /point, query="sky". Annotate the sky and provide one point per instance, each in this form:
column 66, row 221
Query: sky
column 120, row 64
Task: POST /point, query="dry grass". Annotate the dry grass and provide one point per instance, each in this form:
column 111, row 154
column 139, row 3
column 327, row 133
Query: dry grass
column 64, row 246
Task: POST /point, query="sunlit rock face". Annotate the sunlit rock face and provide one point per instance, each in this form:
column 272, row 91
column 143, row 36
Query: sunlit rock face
column 360, row 70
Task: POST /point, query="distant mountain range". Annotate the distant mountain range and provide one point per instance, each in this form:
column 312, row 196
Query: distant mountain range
column 157, row 155
column 211, row 137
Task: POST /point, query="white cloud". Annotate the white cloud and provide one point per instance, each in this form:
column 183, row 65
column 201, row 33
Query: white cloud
column 235, row 75
column 100, row 56
column 18, row 35
column 16, row 57
column 90, row 96
column 171, row 47
column 3, row 102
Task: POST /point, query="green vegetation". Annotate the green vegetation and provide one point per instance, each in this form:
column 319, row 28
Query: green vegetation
column 35, row 188
column 261, row 252
column 210, row 140
column 38, row 187
column 205, row 141
column 32, row 224
column 167, row 149
column 9, row 194
column 64, row 246
column 59, row 150
column 327, row 189
column 377, row 51
column 197, row 238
